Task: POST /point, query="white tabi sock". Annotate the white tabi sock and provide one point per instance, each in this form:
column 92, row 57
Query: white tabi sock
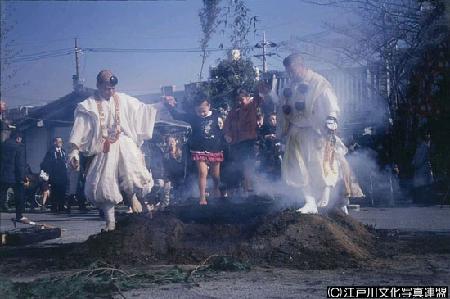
column 310, row 206
column 110, row 217
column 325, row 200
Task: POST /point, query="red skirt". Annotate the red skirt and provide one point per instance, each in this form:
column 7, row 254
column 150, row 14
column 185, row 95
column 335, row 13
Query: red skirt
column 207, row 156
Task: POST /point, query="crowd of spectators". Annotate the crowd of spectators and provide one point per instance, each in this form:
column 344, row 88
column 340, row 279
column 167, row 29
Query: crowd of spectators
column 234, row 147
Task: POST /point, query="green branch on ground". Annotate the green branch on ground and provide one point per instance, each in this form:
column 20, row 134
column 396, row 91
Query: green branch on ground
column 102, row 280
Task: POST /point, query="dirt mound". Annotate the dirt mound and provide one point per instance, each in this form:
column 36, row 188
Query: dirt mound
column 285, row 238
column 312, row 241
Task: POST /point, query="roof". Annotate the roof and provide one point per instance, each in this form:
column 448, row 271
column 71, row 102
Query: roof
column 60, row 113
column 56, row 113
column 152, row 98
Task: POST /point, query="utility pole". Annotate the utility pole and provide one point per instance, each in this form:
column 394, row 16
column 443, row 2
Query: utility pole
column 263, row 45
column 76, row 78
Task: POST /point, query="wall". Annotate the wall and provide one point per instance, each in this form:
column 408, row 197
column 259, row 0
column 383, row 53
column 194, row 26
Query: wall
column 36, row 140
column 39, row 140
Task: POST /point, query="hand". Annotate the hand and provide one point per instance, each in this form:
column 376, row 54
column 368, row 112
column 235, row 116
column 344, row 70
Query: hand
column 331, row 124
column 26, row 182
column 228, row 139
column 2, row 106
column 75, row 163
column 170, row 101
column 74, row 158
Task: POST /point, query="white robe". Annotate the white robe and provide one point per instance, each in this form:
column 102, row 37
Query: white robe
column 123, row 167
column 302, row 165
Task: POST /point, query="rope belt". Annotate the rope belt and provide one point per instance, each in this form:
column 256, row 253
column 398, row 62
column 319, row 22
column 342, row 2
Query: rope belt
column 108, row 139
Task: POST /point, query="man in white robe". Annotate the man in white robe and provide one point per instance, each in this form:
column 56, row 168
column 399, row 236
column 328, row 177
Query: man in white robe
column 308, row 120
column 110, row 127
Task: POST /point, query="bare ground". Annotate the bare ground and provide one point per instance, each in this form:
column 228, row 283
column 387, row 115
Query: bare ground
column 290, row 256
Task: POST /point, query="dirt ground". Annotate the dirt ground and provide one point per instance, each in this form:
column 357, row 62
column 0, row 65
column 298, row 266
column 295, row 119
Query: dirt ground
column 285, row 239
column 288, row 283
column 288, row 256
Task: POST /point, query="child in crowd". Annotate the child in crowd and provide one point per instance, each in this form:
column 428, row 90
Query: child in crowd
column 271, row 160
column 173, row 167
column 205, row 142
column 270, row 127
column 44, row 188
column 240, row 130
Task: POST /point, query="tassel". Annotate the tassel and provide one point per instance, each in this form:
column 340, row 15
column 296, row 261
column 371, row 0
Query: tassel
column 106, row 145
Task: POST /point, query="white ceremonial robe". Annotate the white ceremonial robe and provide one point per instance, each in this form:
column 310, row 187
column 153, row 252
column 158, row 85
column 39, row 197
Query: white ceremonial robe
column 123, row 167
column 303, row 161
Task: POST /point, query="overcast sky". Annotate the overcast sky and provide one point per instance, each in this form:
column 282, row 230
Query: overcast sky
column 41, row 26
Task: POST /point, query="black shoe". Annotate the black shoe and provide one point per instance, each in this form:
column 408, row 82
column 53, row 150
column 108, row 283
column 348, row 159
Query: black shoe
column 61, row 208
column 23, row 220
column 83, row 208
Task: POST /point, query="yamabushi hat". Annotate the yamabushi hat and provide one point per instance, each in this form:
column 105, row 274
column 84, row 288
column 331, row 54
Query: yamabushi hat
column 107, row 77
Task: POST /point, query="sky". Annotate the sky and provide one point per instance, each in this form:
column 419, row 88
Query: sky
column 42, row 26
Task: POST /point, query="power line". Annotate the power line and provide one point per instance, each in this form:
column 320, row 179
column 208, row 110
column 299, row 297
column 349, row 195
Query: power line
column 263, row 45
column 76, row 78
column 156, row 50
column 125, row 50
column 69, row 51
column 38, row 42
column 84, row 64
column 41, row 55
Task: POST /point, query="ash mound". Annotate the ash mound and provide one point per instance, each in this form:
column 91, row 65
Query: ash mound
column 283, row 238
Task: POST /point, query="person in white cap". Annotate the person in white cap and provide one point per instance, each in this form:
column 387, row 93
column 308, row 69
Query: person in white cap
column 110, row 127
column 308, row 120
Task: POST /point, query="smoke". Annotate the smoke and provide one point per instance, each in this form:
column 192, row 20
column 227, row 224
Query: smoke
column 380, row 185
column 285, row 196
column 363, row 115
column 370, row 117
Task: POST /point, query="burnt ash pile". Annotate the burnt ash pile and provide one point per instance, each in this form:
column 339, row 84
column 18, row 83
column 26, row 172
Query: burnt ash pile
column 278, row 238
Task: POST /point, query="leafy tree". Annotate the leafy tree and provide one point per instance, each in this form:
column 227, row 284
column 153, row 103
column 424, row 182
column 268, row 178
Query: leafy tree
column 241, row 26
column 232, row 16
column 209, row 22
column 227, row 77
column 394, row 34
column 406, row 38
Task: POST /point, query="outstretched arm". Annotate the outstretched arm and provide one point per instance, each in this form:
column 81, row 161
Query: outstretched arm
column 171, row 103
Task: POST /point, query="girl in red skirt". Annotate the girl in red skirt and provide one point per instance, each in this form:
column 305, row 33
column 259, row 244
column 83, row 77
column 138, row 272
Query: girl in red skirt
column 205, row 142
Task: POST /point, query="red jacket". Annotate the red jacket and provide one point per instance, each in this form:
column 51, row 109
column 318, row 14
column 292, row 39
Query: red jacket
column 240, row 123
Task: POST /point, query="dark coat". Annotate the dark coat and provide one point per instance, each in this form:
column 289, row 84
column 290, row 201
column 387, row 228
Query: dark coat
column 55, row 165
column 13, row 163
